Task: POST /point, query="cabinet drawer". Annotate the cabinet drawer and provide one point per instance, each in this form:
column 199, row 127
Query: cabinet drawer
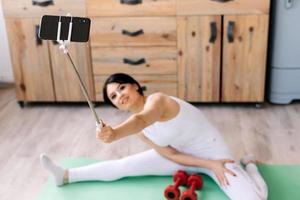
column 139, row 60
column 137, row 8
column 25, row 8
column 166, row 84
column 129, row 31
column 208, row 7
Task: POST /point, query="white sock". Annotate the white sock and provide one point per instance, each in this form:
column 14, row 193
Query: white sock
column 55, row 170
column 250, row 166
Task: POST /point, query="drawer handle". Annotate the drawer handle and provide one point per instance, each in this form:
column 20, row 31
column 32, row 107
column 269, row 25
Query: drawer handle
column 131, row 2
column 131, row 62
column 42, row 3
column 222, row 1
column 37, row 38
column 133, row 34
column 230, row 30
column 213, row 32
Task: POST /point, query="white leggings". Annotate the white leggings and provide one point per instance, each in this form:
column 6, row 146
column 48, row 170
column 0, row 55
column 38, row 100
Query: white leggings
column 247, row 185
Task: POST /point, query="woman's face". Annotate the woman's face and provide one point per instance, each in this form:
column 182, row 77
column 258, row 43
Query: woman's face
column 124, row 96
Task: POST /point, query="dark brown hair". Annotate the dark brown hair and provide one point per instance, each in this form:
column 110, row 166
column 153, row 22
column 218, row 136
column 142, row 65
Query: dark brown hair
column 120, row 78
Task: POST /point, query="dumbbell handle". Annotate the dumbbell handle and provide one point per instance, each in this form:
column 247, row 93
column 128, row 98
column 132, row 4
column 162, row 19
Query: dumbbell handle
column 193, row 186
column 190, row 193
column 177, row 182
column 173, row 190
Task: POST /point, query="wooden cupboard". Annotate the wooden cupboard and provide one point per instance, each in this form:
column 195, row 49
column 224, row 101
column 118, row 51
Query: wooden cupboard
column 42, row 72
column 222, row 58
column 198, row 50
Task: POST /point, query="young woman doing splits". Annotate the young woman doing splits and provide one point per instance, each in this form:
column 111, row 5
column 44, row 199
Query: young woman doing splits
column 180, row 137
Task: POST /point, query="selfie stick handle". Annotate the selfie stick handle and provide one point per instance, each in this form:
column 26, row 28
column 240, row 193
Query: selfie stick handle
column 63, row 46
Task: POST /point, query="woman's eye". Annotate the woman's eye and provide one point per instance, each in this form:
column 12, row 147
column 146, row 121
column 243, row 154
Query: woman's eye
column 122, row 87
column 113, row 96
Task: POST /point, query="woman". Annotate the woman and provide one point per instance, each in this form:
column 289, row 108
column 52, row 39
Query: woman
column 180, row 136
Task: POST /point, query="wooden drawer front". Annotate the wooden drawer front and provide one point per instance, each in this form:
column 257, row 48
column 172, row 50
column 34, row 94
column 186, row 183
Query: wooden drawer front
column 145, row 8
column 154, row 31
column 153, row 83
column 158, row 60
column 25, row 8
column 208, row 7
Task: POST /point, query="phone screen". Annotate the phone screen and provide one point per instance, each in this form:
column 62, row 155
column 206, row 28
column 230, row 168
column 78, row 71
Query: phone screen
column 80, row 28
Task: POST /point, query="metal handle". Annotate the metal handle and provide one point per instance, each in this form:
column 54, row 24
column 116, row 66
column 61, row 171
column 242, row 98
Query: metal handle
column 289, row 4
column 42, row 3
column 86, row 95
column 222, row 1
column 230, row 30
column 133, row 34
column 213, row 32
column 37, row 38
column 131, row 62
column 131, row 2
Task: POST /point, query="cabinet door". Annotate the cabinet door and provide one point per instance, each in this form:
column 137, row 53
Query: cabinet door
column 199, row 45
column 66, row 83
column 244, row 58
column 30, row 60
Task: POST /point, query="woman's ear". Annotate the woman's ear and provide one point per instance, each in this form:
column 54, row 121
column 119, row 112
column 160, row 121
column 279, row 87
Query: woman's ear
column 136, row 87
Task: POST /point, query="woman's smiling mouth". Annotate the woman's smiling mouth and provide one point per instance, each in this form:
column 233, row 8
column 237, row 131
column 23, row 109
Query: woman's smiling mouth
column 124, row 100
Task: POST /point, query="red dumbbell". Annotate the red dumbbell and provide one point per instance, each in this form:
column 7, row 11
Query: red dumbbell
column 172, row 192
column 195, row 182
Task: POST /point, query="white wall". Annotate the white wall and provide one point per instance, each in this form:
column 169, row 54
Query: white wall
column 6, row 74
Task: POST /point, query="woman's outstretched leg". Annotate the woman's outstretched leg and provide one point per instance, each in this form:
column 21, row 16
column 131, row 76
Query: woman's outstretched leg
column 145, row 163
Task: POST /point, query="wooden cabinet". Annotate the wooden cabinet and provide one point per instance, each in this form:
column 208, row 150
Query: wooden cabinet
column 42, row 72
column 222, row 54
column 210, row 51
column 137, row 39
column 198, row 50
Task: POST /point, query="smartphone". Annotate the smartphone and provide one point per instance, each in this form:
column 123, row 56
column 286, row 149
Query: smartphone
column 80, row 28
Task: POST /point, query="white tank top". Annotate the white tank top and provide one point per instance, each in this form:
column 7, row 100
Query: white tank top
column 189, row 132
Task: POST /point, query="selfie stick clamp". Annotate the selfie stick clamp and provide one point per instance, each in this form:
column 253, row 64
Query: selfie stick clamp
column 63, row 46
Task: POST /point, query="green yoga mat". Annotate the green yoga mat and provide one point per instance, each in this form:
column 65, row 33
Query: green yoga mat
column 283, row 182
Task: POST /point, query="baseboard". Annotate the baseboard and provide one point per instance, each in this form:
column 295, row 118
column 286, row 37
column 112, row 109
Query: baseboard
column 6, row 79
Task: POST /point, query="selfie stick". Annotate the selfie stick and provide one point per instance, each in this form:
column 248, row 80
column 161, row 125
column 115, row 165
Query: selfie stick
column 63, row 45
